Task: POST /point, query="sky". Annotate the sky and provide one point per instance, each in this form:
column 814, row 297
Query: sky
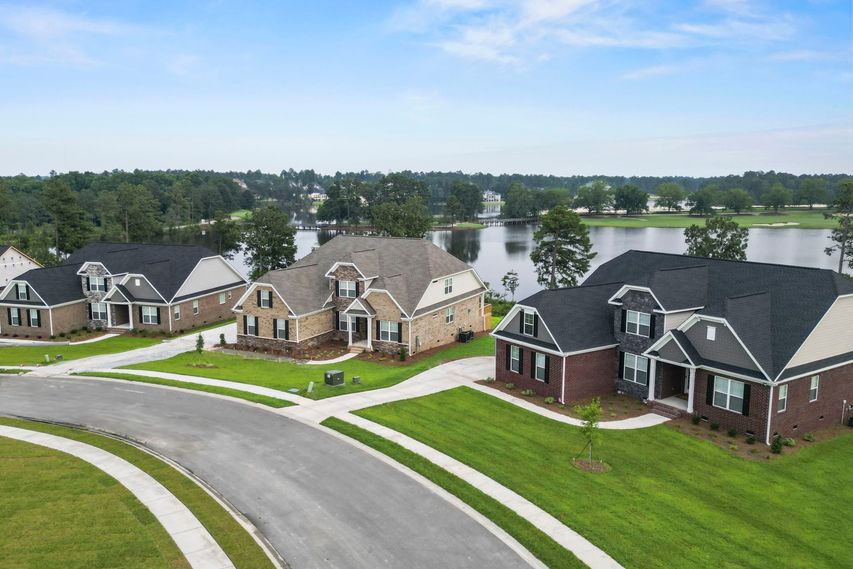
column 704, row 87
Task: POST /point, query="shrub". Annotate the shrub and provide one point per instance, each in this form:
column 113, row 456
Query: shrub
column 732, row 432
column 403, row 353
column 715, row 426
column 527, row 392
column 199, row 343
column 776, row 445
column 850, row 421
column 99, row 328
column 222, row 340
column 809, row 437
column 695, row 419
column 750, row 439
column 788, row 442
column 62, row 334
column 510, row 386
column 549, row 400
column 489, row 380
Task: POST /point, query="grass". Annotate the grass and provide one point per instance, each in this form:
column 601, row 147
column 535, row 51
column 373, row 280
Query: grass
column 57, row 513
column 468, row 225
column 240, row 214
column 670, row 500
column 534, row 540
column 806, row 219
column 13, row 371
column 32, row 355
column 284, row 375
column 253, row 397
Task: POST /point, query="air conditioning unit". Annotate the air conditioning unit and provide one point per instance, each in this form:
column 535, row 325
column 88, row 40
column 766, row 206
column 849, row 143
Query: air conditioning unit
column 334, row 377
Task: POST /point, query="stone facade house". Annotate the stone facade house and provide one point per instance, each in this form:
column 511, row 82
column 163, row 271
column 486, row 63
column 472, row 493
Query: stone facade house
column 765, row 349
column 13, row 263
column 374, row 293
column 122, row 286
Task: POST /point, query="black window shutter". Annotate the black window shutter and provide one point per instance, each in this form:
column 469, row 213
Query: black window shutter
column 533, row 365
column 337, row 319
column 29, row 320
column 9, row 315
column 520, row 360
column 377, row 330
column 621, row 372
column 747, row 389
column 547, row 369
column 245, row 324
column 88, row 283
column 536, row 325
column 624, row 320
column 287, row 329
column 357, row 288
column 709, row 392
column 400, row 332
column 521, row 322
column 337, row 287
column 652, row 326
column 275, row 328
column 508, row 355
column 158, row 315
column 271, row 299
column 140, row 314
column 259, row 296
column 90, row 310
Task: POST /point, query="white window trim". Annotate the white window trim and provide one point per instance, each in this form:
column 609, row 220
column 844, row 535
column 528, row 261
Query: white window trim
column 343, row 322
column 266, row 298
column 524, row 315
column 38, row 317
column 222, row 298
column 98, row 315
column 636, row 369
column 346, row 289
column 387, row 330
column 728, row 394
column 448, row 285
column 16, row 315
column 196, row 308
column 814, row 385
column 280, row 328
column 516, row 358
column 176, row 313
column 537, row 367
column 97, row 284
column 711, row 333
column 251, row 324
column 638, row 324
column 782, row 403
column 22, row 287
column 449, row 315
column 149, row 315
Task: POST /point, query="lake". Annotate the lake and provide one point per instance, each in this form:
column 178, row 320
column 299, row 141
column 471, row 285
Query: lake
column 495, row 250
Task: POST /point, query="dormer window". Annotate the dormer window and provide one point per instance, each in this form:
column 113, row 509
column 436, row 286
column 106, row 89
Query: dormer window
column 347, row 289
column 638, row 323
column 529, row 326
column 711, row 333
column 97, row 284
column 23, row 291
column 448, row 285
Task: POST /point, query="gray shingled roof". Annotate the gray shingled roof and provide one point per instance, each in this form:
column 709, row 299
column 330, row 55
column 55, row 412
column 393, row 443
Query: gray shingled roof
column 773, row 308
column 403, row 267
column 4, row 248
column 55, row 285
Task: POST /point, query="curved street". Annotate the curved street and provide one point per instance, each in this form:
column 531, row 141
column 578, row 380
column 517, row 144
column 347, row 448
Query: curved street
column 320, row 501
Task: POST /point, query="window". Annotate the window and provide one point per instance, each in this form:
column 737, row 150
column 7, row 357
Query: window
column 346, row 289
column 529, row 324
column 783, row 398
column 448, row 285
column 728, row 394
column 177, row 312
column 814, row 388
column 711, row 333
column 515, row 359
column 97, row 284
column 23, row 293
column 15, row 316
column 35, row 318
column 195, row 307
column 343, row 322
column 222, row 298
column 99, row 311
column 449, row 315
column 636, row 369
column 136, row 282
column 281, row 328
column 638, row 323
column 252, row 325
column 149, row 315
column 388, row 331
column 541, row 372
column 265, row 298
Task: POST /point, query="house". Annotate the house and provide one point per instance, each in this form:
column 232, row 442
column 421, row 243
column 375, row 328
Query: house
column 490, row 196
column 318, row 196
column 374, row 293
column 122, row 286
column 765, row 349
column 13, row 262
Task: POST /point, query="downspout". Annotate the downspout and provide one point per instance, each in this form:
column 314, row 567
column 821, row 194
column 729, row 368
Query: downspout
column 50, row 318
column 769, row 415
column 169, row 310
column 563, row 388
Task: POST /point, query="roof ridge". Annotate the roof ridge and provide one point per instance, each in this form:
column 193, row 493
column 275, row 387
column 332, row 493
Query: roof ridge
column 683, row 268
column 577, row 286
column 729, row 260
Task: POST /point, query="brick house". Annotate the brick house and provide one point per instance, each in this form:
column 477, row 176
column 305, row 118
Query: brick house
column 122, row 286
column 374, row 293
column 766, row 349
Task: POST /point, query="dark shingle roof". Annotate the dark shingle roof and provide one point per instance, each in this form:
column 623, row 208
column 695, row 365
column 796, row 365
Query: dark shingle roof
column 773, row 308
column 55, row 285
column 165, row 266
column 4, row 248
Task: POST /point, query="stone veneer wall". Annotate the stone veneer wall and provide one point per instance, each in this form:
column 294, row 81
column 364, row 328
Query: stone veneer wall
column 95, row 270
column 641, row 302
column 387, row 310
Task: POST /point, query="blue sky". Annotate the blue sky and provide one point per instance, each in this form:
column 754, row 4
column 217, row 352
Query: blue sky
column 541, row 86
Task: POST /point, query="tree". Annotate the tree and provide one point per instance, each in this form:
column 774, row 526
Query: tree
column 344, row 203
column 398, row 189
column 563, row 249
column 453, row 209
column 70, row 228
column 670, row 195
column 470, row 198
column 721, row 238
column 737, row 200
column 777, row 197
column 812, row 191
column 590, row 414
column 843, row 234
column 225, row 235
column 595, row 197
column 631, row 199
column 268, row 241
column 510, row 282
column 702, row 201
column 550, row 198
column 519, row 202
column 199, row 344
column 409, row 219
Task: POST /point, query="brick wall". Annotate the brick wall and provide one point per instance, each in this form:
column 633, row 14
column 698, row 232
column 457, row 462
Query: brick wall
column 314, row 325
column 434, row 331
column 523, row 380
column 591, row 374
column 802, row 416
column 386, row 310
column 755, row 422
column 210, row 310
column 67, row 318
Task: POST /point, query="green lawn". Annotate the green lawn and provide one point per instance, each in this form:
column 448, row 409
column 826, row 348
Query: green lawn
column 285, row 375
column 66, row 513
column 59, row 511
column 669, row 501
column 240, row 214
column 533, row 539
column 806, row 219
column 31, row 355
column 468, row 225
column 253, row 397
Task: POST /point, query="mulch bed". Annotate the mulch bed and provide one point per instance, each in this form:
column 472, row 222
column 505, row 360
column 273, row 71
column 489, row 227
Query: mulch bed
column 596, row 467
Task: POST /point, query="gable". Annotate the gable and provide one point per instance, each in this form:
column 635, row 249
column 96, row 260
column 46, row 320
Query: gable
column 465, row 282
column 141, row 291
column 10, row 294
column 725, row 348
column 675, row 319
column 672, row 352
column 512, row 326
column 209, row 274
column 831, row 337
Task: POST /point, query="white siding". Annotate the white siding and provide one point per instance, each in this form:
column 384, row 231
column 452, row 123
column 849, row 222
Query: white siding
column 14, row 263
column 675, row 320
column 462, row 283
column 208, row 274
column 831, row 337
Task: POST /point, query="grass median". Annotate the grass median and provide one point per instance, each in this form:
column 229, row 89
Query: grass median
column 670, row 500
column 58, row 519
column 33, row 355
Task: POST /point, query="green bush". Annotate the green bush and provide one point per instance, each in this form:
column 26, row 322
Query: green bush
column 527, row 392
column 549, row 400
column 695, row 419
column 510, row 386
column 715, row 426
column 750, row 439
column 489, row 380
column 62, row 334
column 222, row 340
column 404, row 352
column 776, row 445
column 809, row 437
column 732, row 432
column 788, row 442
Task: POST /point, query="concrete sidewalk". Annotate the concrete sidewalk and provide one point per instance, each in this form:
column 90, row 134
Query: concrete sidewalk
column 194, row 541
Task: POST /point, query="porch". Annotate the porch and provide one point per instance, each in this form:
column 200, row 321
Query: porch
column 672, row 387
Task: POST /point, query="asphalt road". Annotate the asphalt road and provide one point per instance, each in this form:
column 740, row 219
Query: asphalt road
column 320, row 501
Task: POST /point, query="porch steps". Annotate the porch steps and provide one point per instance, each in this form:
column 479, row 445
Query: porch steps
column 357, row 349
column 666, row 410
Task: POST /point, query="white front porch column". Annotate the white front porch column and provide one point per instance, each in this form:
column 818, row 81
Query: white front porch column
column 349, row 330
column 691, row 388
column 130, row 316
column 652, row 374
column 369, row 327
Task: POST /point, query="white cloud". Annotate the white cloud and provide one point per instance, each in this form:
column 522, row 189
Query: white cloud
column 651, row 71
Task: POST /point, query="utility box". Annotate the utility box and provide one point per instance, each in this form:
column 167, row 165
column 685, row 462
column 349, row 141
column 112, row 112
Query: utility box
column 334, row 377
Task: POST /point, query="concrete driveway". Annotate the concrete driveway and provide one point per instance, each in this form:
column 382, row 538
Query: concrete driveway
column 320, row 501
